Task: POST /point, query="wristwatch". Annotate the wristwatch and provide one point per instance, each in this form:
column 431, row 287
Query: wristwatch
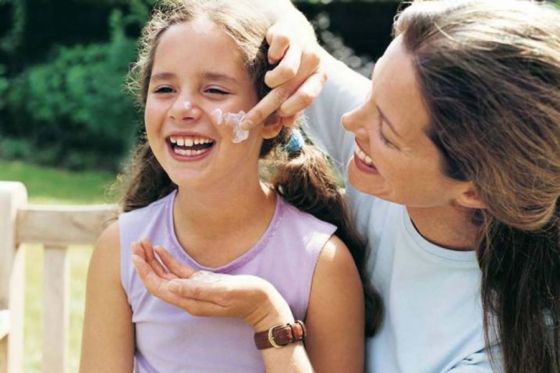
column 281, row 335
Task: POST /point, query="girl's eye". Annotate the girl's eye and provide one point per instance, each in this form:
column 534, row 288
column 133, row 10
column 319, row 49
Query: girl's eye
column 163, row 90
column 217, row 91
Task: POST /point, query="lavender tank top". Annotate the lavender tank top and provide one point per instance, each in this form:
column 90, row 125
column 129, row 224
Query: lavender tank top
column 168, row 339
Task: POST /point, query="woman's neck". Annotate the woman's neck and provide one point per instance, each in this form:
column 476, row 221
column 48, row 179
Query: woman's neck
column 450, row 227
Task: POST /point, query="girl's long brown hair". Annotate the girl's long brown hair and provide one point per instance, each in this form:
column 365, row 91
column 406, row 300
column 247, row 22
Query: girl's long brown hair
column 489, row 72
column 301, row 177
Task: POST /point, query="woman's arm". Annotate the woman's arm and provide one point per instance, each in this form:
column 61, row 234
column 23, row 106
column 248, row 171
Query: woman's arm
column 335, row 315
column 108, row 334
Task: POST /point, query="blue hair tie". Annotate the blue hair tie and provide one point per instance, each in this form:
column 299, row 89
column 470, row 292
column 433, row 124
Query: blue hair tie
column 295, row 143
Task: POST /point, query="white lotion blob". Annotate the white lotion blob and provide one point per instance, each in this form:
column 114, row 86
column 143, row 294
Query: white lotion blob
column 233, row 120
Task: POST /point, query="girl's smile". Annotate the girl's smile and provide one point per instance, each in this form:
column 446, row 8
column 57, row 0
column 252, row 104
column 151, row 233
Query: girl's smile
column 189, row 146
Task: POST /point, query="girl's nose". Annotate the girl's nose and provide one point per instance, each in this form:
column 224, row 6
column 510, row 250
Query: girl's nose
column 185, row 110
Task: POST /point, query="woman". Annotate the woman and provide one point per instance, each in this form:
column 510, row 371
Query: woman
column 455, row 178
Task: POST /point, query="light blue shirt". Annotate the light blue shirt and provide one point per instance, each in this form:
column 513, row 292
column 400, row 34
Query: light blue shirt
column 433, row 315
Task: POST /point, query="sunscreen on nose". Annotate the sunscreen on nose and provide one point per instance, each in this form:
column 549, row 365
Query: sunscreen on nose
column 187, row 105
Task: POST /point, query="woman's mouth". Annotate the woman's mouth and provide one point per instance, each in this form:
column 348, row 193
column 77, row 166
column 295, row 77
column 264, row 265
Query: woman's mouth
column 189, row 147
column 363, row 161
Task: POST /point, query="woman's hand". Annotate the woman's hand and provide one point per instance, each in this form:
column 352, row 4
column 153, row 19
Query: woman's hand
column 203, row 293
column 297, row 80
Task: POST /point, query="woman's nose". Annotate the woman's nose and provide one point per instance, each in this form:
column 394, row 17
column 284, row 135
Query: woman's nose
column 354, row 122
column 185, row 110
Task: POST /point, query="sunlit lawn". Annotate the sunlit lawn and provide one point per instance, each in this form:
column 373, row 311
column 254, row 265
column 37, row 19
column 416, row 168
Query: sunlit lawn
column 45, row 185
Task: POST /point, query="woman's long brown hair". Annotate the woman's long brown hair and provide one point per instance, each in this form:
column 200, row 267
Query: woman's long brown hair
column 489, row 72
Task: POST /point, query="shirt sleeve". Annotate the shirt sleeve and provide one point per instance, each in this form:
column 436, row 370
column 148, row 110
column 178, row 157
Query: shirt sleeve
column 345, row 90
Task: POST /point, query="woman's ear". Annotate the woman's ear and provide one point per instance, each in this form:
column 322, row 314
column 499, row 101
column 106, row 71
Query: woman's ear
column 272, row 127
column 470, row 197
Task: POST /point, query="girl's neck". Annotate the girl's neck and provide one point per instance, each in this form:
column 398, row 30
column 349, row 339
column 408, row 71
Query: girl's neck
column 450, row 227
column 215, row 227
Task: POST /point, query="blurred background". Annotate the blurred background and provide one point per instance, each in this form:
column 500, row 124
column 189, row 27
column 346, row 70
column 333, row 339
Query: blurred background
column 67, row 126
column 62, row 65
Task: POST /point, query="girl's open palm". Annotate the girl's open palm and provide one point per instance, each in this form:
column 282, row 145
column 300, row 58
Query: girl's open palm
column 203, row 293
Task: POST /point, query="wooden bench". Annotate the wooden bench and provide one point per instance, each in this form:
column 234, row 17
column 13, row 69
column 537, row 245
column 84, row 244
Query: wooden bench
column 54, row 228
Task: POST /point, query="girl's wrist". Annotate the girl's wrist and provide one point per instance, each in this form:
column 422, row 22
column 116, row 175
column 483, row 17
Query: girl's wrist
column 273, row 310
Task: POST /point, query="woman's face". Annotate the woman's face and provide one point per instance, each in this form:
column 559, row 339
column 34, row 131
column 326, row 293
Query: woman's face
column 395, row 159
column 198, row 69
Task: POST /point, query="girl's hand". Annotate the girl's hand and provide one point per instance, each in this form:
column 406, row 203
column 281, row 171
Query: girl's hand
column 203, row 293
column 297, row 80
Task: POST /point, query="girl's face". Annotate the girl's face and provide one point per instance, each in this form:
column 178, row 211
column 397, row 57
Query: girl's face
column 198, row 69
column 395, row 159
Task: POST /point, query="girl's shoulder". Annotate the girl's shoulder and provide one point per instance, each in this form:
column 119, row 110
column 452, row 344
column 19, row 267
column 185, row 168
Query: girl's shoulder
column 300, row 218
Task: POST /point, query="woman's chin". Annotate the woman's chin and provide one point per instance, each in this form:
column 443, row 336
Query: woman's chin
column 360, row 180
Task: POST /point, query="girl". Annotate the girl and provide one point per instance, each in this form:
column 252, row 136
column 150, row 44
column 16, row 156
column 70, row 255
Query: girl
column 195, row 189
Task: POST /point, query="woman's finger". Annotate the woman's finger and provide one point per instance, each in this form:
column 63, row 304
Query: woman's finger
column 304, row 96
column 278, row 41
column 287, row 69
column 279, row 95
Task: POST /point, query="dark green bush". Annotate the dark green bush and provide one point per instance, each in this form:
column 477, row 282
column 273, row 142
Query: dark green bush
column 73, row 108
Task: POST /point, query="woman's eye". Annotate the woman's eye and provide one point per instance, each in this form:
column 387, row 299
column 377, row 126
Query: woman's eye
column 384, row 140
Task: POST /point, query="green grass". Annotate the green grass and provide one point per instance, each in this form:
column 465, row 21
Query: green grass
column 48, row 185
column 51, row 185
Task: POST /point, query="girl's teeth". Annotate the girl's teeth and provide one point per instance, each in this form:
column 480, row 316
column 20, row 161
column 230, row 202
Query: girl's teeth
column 188, row 141
column 188, row 152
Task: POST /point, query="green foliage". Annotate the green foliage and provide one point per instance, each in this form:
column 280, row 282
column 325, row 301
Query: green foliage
column 3, row 87
column 12, row 40
column 14, row 148
column 75, row 106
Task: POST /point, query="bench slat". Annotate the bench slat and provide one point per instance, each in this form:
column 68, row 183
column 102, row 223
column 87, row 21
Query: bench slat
column 55, row 310
column 63, row 225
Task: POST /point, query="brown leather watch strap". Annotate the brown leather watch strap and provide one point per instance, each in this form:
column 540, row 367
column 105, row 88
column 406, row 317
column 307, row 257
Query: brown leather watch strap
column 280, row 335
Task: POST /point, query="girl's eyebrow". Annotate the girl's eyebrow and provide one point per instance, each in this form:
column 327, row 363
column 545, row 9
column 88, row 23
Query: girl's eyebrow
column 162, row 76
column 209, row 75
column 219, row 77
